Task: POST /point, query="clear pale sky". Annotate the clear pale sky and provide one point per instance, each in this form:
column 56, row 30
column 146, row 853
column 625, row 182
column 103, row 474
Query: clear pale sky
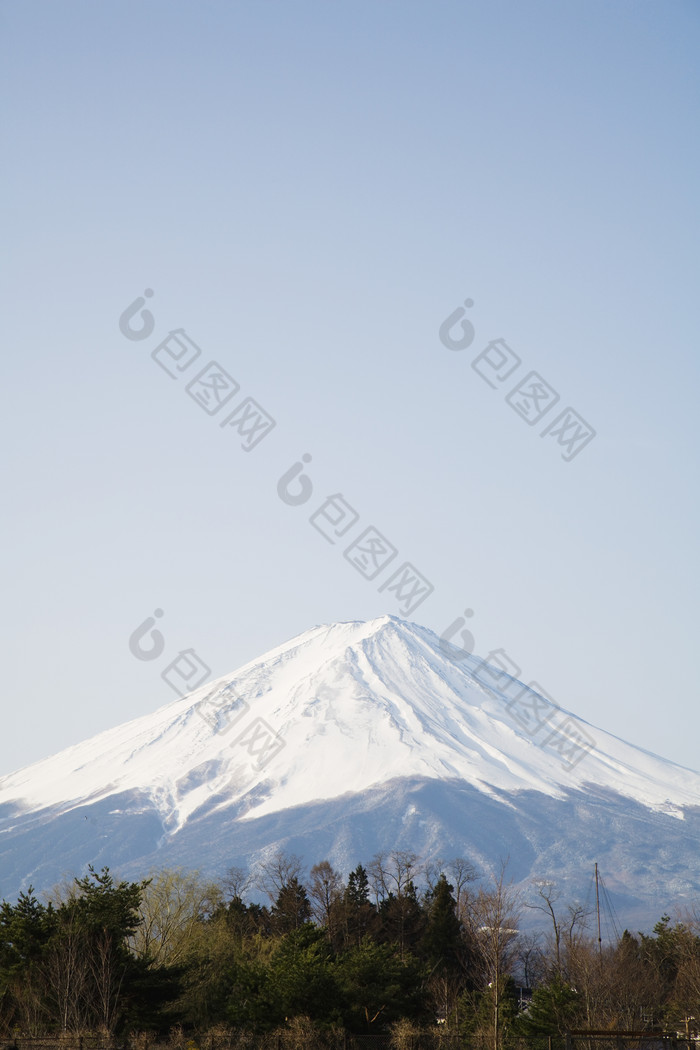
column 310, row 190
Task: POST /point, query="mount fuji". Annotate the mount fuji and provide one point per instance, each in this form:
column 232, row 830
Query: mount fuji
column 354, row 738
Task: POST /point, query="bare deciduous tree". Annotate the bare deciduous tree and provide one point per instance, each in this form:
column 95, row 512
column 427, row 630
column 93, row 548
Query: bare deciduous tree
column 392, row 873
column 494, row 916
column 461, row 873
column 326, row 888
column 235, row 882
column 274, row 874
column 568, row 928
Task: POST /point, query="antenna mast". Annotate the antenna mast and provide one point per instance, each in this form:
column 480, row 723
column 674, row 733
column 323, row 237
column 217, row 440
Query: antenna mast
column 597, row 909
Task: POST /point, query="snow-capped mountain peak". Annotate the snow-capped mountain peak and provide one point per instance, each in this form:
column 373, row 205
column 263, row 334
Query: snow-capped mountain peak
column 349, row 738
column 342, row 708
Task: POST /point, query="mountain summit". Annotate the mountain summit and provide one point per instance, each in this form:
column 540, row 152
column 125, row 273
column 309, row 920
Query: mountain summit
column 348, row 739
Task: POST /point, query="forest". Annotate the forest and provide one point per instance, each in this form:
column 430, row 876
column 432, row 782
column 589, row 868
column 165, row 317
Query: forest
column 419, row 954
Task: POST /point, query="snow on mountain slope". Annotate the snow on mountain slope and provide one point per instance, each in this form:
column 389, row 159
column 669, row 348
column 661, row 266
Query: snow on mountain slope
column 355, row 705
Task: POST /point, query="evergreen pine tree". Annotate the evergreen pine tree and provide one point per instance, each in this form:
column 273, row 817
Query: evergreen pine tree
column 291, row 909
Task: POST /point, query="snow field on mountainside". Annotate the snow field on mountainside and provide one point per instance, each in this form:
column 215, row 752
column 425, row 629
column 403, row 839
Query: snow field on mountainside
column 357, row 705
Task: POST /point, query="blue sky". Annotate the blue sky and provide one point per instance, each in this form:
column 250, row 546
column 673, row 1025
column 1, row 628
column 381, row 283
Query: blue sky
column 310, row 190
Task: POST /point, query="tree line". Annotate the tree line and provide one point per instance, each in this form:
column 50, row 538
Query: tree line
column 396, row 946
